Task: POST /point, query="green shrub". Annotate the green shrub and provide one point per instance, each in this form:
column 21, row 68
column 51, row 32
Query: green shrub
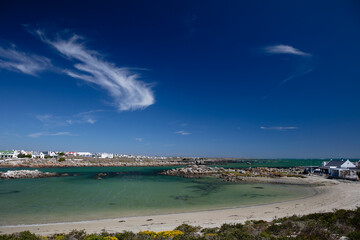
column 26, row 235
column 210, row 230
column 76, row 234
column 126, row 235
column 354, row 236
column 61, row 160
column 186, row 228
column 94, row 237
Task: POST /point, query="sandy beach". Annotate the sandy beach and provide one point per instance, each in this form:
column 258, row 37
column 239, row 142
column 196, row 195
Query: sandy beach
column 330, row 195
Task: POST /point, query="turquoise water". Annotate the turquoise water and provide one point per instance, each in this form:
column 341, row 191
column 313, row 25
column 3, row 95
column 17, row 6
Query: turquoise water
column 127, row 191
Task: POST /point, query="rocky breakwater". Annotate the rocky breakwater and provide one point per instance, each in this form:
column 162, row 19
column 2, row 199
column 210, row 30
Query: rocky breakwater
column 259, row 174
column 26, row 174
column 195, row 171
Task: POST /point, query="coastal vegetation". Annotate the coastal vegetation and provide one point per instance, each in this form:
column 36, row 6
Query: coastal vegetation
column 339, row 224
column 22, row 155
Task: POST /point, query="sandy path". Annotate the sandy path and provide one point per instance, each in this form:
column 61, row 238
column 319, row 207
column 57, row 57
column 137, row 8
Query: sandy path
column 331, row 194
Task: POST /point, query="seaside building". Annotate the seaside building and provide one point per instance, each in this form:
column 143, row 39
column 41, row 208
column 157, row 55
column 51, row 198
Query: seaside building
column 36, row 154
column 105, row 155
column 50, row 154
column 9, row 154
column 340, row 169
column 70, row 153
column 84, row 154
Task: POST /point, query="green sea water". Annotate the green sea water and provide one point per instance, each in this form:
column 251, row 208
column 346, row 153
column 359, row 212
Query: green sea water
column 127, row 191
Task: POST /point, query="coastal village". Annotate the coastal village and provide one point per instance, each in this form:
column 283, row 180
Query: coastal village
column 15, row 154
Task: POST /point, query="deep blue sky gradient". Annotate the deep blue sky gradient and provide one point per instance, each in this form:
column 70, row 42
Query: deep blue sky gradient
column 210, row 76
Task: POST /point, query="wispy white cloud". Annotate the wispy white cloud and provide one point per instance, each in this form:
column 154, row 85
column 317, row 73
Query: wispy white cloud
column 41, row 134
column 89, row 112
column 128, row 92
column 285, row 49
column 305, row 63
column 50, row 120
column 279, row 128
column 13, row 59
column 139, row 139
column 91, row 121
column 182, row 133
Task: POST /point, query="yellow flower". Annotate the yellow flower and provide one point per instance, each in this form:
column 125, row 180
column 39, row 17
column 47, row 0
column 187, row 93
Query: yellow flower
column 110, row 238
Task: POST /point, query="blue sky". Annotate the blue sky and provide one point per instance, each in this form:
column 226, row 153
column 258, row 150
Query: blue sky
column 272, row 79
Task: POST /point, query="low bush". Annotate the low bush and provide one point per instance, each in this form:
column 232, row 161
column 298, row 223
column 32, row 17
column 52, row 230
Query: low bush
column 315, row 226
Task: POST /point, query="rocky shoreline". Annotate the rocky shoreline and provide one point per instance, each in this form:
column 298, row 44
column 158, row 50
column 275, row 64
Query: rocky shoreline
column 17, row 174
column 258, row 174
column 112, row 162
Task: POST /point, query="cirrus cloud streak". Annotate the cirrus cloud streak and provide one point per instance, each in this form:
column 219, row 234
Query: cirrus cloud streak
column 13, row 59
column 284, row 49
column 128, row 92
column 41, row 134
column 279, row 128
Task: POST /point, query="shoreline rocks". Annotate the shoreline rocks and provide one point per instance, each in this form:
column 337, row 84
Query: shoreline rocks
column 17, row 174
column 233, row 175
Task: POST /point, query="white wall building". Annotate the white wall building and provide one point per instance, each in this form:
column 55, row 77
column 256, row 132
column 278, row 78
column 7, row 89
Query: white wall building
column 106, row 155
column 84, row 154
column 38, row 155
column 9, row 154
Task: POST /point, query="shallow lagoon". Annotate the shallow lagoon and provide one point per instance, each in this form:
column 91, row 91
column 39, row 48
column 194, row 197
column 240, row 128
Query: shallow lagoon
column 133, row 191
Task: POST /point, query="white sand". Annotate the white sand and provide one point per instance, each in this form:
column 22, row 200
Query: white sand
column 331, row 194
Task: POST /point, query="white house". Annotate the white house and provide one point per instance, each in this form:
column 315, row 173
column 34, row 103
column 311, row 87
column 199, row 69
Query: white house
column 38, row 155
column 106, row 155
column 9, row 154
column 339, row 169
column 50, row 153
column 84, row 154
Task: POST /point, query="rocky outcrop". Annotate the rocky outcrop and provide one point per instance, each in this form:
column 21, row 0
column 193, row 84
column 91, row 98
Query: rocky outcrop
column 233, row 175
column 195, row 171
column 26, row 174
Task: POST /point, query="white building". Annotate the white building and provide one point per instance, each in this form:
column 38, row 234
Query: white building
column 9, row 154
column 84, row 154
column 106, row 155
column 339, row 169
column 38, row 155
column 50, row 153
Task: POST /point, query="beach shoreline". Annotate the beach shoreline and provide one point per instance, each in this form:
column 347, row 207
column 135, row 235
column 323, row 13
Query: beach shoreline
column 330, row 195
